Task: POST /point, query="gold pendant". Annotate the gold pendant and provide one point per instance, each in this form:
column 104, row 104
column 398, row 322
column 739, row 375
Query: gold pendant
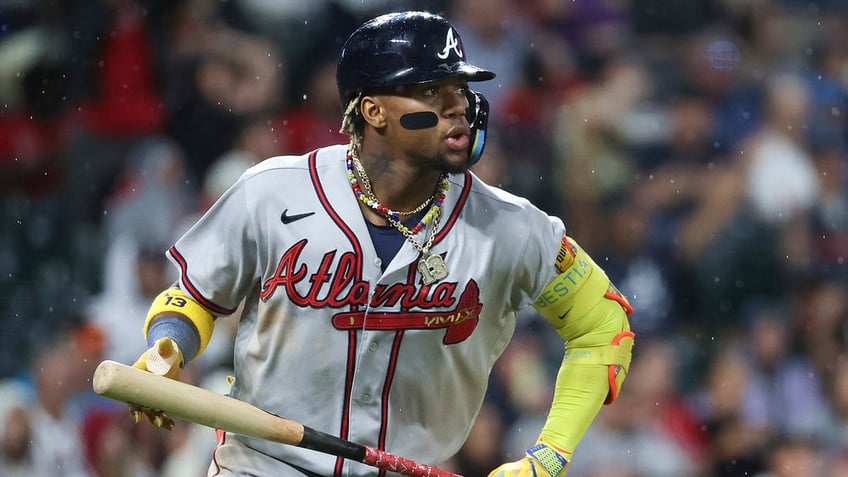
column 432, row 268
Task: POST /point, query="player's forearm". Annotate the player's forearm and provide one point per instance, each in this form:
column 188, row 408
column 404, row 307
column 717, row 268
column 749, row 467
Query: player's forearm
column 574, row 407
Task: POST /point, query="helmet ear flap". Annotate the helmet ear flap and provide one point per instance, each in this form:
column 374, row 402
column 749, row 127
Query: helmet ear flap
column 477, row 115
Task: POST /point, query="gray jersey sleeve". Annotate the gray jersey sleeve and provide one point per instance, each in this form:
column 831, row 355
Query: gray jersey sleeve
column 217, row 255
column 526, row 240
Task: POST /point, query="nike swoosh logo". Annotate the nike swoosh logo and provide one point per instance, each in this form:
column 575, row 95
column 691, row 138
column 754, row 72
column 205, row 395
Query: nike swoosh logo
column 287, row 219
column 562, row 316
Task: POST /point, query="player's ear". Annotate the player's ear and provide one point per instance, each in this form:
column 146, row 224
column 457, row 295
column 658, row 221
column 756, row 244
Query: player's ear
column 372, row 110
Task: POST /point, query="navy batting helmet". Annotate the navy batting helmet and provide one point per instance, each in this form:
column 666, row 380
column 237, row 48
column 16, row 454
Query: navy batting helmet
column 402, row 48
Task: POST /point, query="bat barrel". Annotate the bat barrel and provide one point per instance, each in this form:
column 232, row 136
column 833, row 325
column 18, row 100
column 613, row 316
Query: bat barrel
column 191, row 403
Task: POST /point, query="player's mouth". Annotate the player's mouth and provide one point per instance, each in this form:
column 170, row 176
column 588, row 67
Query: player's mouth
column 457, row 138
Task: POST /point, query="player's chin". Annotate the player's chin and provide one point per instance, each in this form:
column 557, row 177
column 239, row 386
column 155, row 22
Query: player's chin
column 454, row 157
column 455, row 162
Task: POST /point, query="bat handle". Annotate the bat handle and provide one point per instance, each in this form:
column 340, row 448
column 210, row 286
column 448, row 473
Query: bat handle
column 384, row 460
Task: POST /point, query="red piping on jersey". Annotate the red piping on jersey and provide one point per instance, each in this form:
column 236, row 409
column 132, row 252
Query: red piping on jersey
column 351, row 346
column 325, row 202
column 192, row 290
column 351, row 366
column 454, row 216
column 390, row 375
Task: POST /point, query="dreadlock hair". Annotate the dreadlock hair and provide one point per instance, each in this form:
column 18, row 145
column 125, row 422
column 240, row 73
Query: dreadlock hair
column 353, row 123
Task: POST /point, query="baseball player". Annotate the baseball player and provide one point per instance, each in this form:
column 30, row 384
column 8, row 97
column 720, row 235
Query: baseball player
column 381, row 278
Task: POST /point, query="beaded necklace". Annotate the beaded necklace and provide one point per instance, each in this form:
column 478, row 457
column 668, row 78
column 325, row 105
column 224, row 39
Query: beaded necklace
column 431, row 267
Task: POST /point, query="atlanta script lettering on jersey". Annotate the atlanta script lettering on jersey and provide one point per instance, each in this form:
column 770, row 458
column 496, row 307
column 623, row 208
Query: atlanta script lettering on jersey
column 343, row 287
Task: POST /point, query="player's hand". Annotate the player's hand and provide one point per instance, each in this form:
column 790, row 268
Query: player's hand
column 539, row 461
column 163, row 359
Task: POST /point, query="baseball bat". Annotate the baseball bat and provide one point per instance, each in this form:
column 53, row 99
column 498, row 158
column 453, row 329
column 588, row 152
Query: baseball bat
column 194, row 404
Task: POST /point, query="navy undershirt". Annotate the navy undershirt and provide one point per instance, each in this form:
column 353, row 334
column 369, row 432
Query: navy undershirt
column 388, row 240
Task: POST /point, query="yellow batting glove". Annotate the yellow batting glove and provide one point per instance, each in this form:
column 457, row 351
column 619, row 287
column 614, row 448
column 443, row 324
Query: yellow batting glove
column 539, row 461
column 163, row 359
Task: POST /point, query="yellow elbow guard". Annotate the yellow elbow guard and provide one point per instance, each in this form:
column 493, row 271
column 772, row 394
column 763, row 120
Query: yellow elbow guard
column 614, row 355
column 174, row 300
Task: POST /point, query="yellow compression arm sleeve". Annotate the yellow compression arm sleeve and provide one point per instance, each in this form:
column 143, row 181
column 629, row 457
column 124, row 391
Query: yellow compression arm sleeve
column 591, row 316
column 174, row 302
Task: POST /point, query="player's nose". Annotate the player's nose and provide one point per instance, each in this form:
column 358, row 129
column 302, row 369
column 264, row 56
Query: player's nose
column 455, row 102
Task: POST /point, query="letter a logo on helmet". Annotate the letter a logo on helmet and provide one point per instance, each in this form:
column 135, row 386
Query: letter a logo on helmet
column 402, row 48
column 451, row 44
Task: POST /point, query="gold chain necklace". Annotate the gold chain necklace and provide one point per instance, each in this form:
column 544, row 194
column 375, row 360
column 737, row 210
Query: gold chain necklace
column 431, row 267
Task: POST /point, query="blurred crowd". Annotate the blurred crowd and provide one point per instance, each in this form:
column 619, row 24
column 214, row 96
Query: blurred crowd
column 698, row 149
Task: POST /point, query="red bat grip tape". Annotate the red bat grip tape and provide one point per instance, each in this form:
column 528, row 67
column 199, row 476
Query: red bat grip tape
column 384, row 460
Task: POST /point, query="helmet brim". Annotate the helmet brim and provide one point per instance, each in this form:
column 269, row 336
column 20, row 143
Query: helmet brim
column 473, row 73
column 413, row 76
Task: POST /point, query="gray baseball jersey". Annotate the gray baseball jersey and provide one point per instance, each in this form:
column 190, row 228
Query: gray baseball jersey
column 328, row 339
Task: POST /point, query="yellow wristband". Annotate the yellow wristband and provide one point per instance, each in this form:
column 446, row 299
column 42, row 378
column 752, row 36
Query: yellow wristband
column 174, row 300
